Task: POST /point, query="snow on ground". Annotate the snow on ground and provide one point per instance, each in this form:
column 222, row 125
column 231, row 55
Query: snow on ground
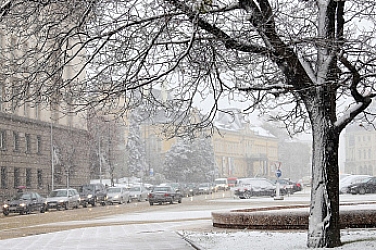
column 223, row 239
column 352, row 239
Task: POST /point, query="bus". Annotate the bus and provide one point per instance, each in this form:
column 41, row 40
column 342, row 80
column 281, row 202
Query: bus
column 232, row 181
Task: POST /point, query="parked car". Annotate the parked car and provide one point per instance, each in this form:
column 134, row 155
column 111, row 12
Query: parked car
column 92, row 194
column 118, row 195
column 164, row 194
column 138, row 193
column 63, row 199
column 366, row 186
column 346, row 182
column 205, row 188
column 249, row 187
column 25, row 203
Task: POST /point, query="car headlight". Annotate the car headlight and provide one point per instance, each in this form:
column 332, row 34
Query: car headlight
column 61, row 201
column 116, row 196
column 22, row 205
column 5, row 206
column 89, row 196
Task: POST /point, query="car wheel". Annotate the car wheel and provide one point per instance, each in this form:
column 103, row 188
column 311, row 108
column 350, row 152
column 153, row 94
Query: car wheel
column 42, row 209
column 179, row 201
column 84, row 204
column 66, row 206
column 362, row 191
column 248, row 195
column 6, row 213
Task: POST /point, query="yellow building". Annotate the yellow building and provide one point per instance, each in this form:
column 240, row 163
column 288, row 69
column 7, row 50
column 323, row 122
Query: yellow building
column 240, row 149
column 360, row 148
column 243, row 150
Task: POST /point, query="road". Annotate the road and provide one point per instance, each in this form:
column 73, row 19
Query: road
column 192, row 208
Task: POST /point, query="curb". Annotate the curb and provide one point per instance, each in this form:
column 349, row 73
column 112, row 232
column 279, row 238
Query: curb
column 289, row 217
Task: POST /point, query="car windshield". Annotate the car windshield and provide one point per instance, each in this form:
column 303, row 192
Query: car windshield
column 22, row 196
column 256, row 182
column 220, row 181
column 163, row 189
column 135, row 189
column 114, row 190
column 86, row 189
column 58, row 193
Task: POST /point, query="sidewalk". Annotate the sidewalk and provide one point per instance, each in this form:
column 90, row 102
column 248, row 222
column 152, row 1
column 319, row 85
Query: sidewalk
column 130, row 237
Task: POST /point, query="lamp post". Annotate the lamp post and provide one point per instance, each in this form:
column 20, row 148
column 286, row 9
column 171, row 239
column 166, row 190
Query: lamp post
column 52, row 157
column 100, row 159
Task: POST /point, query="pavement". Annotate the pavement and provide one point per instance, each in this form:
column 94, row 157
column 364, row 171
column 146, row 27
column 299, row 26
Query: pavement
column 133, row 231
column 160, row 236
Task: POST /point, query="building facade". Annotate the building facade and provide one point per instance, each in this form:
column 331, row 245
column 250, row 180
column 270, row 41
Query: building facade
column 360, row 148
column 243, row 150
column 240, row 149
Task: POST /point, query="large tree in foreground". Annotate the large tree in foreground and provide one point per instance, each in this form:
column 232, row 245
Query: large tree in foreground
column 312, row 61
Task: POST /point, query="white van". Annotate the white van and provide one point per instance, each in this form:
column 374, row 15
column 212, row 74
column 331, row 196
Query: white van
column 220, row 184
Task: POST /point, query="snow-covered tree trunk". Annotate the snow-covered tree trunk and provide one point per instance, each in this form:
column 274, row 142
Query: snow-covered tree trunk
column 324, row 228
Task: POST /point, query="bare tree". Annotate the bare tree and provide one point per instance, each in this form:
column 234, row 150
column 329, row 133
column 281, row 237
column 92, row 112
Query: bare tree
column 301, row 59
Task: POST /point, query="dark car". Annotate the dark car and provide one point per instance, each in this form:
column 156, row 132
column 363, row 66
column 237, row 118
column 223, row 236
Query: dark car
column 288, row 186
column 92, row 194
column 24, row 203
column 366, row 186
column 164, row 194
column 249, row 187
column 178, row 187
column 191, row 189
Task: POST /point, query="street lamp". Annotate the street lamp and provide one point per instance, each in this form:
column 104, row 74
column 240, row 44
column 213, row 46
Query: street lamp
column 100, row 159
column 52, row 157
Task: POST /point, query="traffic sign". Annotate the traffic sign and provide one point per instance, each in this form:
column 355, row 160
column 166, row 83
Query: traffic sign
column 278, row 173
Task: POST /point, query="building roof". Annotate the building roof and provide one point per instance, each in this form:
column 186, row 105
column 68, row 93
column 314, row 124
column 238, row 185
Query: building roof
column 234, row 120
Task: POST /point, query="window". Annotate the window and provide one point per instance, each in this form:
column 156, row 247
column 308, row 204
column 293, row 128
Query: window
column 39, row 144
column 39, row 178
column 351, row 141
column 1, row 96
column 16, row 176
column 2, row 139
column 16, row 143
column 28, row 177
column 4, row 177
column 27, row 143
